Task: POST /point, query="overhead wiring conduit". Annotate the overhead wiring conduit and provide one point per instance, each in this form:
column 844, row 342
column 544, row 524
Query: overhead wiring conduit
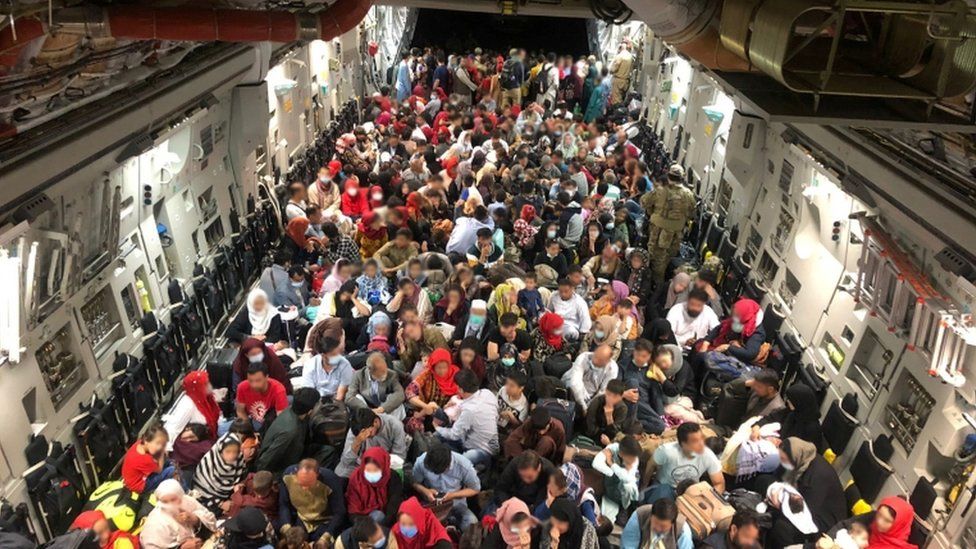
column 188, row 24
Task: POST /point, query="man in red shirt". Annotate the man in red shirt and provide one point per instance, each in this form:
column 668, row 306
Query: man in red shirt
column 259, row 394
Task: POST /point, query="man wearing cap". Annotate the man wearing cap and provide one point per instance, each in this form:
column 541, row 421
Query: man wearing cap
column 285, row 438
column 511, row 79
column 669, row 207
column 247, row 530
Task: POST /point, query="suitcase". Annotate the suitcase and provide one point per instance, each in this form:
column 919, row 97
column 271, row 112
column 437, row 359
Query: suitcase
column 732, row 403
column 704, row 510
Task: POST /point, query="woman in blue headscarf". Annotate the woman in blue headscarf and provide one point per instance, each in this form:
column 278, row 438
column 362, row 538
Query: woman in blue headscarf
column 598, row 100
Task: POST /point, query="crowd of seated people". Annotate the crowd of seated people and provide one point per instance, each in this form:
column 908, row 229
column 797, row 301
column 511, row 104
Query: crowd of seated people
column 468, row 304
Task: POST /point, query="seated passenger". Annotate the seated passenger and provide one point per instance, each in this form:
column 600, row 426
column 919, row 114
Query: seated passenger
column 328, row 372
column 364, row 533
column 377, row 388
column 606, row 413
column 590, row 374
column 743, row 533
column 258, row 490
column 285, row 438
column 260, row 320
column 566, row 482
column 474, row 431
column 508, row 331
column 311, row 497
column 620, row 465
column 144, row 466
column 687, row 458
column 572, row 309
column 513, row 407
column 367, row 429
column 177, row 520
column 541, row 434
column 741, row 335
column 254, row 351
column 514, row 527
column 527, row 478
column 418, row 527
column 443, row 476
column 224, row 467
column 657, row 525
column 692, row 319
column 374, row 490
column 645, row 394
column 568, row 529
column 431, row 390
column 259, row 395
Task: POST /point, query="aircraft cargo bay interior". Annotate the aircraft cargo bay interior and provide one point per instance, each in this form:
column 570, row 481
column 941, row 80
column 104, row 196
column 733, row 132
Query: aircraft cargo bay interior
column 515, row 274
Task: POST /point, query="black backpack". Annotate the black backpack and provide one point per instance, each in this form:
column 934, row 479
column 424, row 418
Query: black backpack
column 542, row 80
column 508, row 76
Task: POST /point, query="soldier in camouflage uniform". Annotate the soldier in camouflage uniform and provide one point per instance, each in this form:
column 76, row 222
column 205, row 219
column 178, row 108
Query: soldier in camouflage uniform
column 669, row 207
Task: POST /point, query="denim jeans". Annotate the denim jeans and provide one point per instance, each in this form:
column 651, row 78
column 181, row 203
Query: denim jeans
column 153, row 480
column 460, row 515
column 659, row 491
column 479, row 458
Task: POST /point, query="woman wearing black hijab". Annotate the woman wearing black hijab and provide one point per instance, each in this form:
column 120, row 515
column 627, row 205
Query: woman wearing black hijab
column 659, row 332
column 801, row 418
column 567, row 528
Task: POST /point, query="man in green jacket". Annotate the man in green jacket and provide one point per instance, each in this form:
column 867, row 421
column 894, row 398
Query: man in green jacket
column 284, row 442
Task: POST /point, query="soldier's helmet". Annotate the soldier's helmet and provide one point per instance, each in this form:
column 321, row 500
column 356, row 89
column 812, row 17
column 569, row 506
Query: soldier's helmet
column 676, row 173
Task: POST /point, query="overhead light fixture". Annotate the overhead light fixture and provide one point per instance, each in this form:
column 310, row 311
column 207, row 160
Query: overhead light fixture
column 10, row 267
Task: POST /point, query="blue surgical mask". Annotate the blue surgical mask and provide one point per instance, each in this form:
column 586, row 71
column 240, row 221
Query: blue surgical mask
column 551, row 234
column 298, row 284
column 508, row 361
column 324, row 178
column 408, row 531
column 254, row 359
column 599, row 334
column 335, row 360
column 380, row 543
column 737, row 325
column 476, row 320
column 373, row 477
column 610, row 226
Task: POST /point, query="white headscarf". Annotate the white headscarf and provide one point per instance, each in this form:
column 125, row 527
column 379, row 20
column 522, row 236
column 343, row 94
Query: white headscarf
column 260, row 321
column 169, row 487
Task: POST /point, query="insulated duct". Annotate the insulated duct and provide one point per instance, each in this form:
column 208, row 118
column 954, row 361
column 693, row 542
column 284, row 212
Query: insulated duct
column 188, row 24
column 905, row 49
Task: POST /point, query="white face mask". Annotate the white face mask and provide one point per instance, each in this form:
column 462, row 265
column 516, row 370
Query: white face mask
column 551, row 234
column 254, row 359
column 787, row 466
column 600, row 334
column 377, row 197
column 324, row 178
column 353, row 191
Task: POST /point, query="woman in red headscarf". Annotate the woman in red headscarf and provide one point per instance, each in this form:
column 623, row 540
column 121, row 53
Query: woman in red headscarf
column 371, row 234
column 374, row 489
column 418, row 528
column 300, row 247
column 431, row 389
column 547, row 338
column 525, row 231
column 354, row 201
column 196, row 386
column 741, row 335
column 892, row 525
column 253, row 351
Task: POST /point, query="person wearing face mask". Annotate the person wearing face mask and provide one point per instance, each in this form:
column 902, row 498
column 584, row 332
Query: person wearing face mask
column 367, row 429
column 474, row 324
column 818, row 484
column 329, row 372
column 365, row 533
column 418, row 528
column 259, row 395
column 657, row 526
column 593, row 241
column 254, row 351
column 176, row 520
column 295, row 292
column 354, row 201
column 692, row 319
column 374, row 489
column 324, row 193
column 687, row 458
column 741, row 335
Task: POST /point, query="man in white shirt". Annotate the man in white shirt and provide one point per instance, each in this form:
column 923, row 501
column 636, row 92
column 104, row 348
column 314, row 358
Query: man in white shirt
column 296, row 200
column 590, row 374
column 572, row 308
column 693, row 319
